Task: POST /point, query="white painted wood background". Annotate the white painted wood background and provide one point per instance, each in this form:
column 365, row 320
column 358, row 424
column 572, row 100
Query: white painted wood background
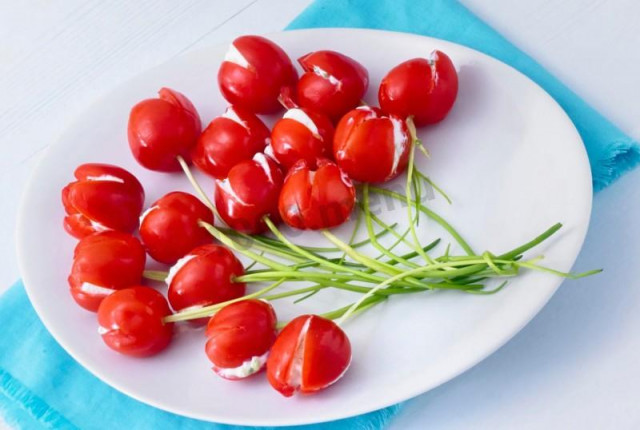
column 574, row 366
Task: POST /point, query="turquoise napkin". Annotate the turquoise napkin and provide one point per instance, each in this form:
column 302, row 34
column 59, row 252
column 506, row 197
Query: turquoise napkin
column 42, row 387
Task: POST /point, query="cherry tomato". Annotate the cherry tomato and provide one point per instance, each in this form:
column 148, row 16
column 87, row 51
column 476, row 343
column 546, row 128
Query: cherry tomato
column 102, row 263
column 204, row 277
column 169, row 228
column 131, row 321
column 301, row 134
column 316, row 199
column 239, row 338
column 309, row 354
column 250, row 193
column 371, row 146
column 229, row 139
column 332, row 83
column 162, row 129
column 254, row 73
column 104, row 197
column 423, row 88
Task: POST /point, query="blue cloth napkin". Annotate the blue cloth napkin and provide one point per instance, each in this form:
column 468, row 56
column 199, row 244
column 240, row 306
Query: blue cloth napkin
column 42, row 387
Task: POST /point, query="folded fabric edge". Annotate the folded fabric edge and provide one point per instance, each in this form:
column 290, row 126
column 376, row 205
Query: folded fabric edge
column 18, row 403
column 622, row 157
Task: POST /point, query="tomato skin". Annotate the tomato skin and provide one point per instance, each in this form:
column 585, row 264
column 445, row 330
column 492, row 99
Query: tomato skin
column 111, row 260
column 103, row 197
column 169, row 228
column 250, row 193
column 292, row 139
column 235, row 136
column 317, row 199
column 371, row 146
column 206, row 278
column 423, row 88
column 332, row 84
column 131, row 321
column 239, row 332
column 309, row 354
column 163, row 128
column 256, row 85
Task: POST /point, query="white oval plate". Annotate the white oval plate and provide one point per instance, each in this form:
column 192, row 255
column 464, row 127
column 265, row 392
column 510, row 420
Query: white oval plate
column 508, row 155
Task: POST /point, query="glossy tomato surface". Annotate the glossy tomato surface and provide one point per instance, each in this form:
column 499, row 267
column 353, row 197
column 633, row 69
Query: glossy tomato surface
column 332, row 84
column 131, row 321
column 254, row 73
column 103, row 197
column 301, row 134
column 424, row 88
column 102, row 263
column 239, row 338
column 250, row 193
column 309, row 354
column 205, row 276
column 235, row 136
column 169, row 228
column 162, row 129
column 371, row 146
column 316, row 199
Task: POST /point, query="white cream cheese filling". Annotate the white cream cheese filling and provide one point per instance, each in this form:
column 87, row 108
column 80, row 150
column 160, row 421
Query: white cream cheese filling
column 300, row 116
column 249, row 367
column 234, row 56
column 400, row 141
column 96, row 290
column 173, row 270
column 324, row 74
column 231, row 114
column 104, row 178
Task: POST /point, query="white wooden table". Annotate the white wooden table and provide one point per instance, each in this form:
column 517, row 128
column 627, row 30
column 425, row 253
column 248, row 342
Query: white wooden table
column 574, row 366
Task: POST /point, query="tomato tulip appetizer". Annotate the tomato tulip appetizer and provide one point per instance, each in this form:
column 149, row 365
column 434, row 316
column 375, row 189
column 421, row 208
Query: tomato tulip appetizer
column 229, row 139
column 239, row 338
column 316, row 199
column 423, row 88
column 162, row 129
column 131, row 321
column 103, row 263
column 204, row 277
column 309, row 354
column 332, row 84
column 255, row 73
column 103, row 197
column 250, row 193
column 301, row 134
column 371, row 146
column 169, row 228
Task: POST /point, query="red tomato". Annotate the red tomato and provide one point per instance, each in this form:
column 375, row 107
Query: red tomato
column 371, row 146
column 301, row 134
column 131, row 321
column 239, row 338
column 169, row 228
column 104, row 197
column 204, row 277
column 254, row 73
column 102, row 263
column 229, row 139
column 423, row 88
column 316, row 199
column 309, row 354
column 163, row 128
column 333, row 83
column 250, row 193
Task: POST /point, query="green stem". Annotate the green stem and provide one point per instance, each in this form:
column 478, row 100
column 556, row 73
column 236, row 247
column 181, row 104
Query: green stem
column 431, row 214
column 210, row 310
column 195, row 184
